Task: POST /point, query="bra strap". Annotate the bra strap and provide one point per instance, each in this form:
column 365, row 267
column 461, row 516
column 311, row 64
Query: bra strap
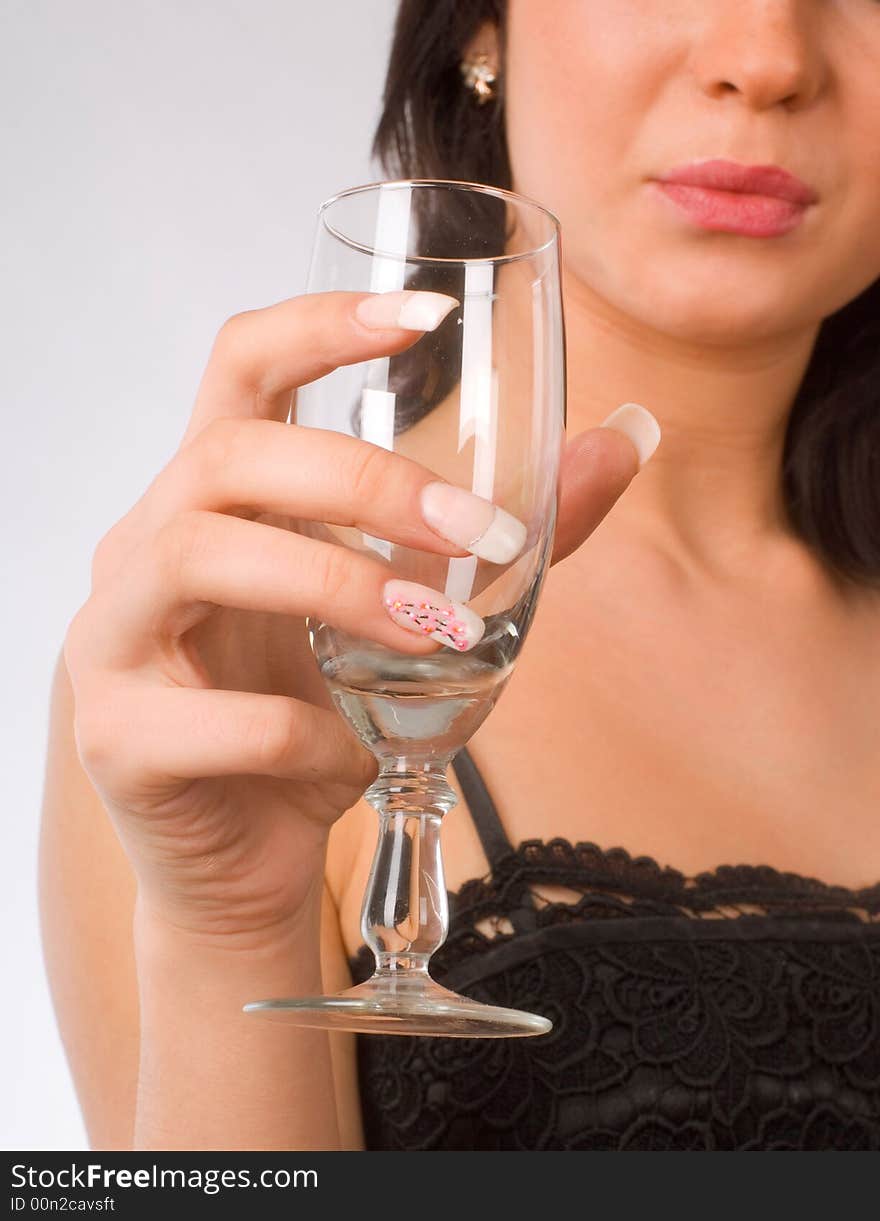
column 493, row 837
column 484, row 814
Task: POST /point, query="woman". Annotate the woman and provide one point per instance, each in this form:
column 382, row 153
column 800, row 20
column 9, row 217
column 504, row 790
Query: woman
column 701, row 684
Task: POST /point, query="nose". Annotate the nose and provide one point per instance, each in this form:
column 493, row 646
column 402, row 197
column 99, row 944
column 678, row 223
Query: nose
column 767, row 51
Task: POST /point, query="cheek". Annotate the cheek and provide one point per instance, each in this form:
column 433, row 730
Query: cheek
column 849, row 259
column 571, row 114
column 584, row 81
column 854, row 243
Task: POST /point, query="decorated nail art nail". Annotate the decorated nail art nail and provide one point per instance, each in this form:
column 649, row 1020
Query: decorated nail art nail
column 426, row 611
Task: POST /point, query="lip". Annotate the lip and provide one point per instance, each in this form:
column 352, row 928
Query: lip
column 753, row 200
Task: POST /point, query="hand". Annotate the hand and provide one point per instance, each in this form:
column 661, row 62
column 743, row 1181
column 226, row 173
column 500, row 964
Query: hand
column 222, row 789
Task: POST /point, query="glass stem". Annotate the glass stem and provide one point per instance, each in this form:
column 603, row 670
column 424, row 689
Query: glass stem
column 405, row 915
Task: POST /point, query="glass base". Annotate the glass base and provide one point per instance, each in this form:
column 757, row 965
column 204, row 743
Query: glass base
column 402, row 1003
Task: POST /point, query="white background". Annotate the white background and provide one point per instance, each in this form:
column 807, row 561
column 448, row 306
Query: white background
column 161, row 161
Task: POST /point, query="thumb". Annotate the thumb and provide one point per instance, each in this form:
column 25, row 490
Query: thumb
column 597, row 466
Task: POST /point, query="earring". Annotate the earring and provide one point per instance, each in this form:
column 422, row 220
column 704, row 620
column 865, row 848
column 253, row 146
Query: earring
column 479, row 77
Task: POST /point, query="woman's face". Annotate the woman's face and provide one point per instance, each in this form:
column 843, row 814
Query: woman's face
column 602, row 96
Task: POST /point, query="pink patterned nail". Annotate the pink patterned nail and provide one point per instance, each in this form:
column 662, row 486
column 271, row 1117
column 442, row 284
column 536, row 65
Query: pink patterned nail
column 426, row 611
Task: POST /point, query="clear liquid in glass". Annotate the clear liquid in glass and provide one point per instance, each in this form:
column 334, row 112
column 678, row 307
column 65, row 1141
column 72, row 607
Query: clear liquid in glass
column 418, row 707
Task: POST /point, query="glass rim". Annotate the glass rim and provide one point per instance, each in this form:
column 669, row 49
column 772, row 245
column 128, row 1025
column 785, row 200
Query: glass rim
column 479, row 187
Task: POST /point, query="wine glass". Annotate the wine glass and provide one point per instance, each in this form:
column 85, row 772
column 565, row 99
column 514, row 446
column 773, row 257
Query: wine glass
column 480, row 401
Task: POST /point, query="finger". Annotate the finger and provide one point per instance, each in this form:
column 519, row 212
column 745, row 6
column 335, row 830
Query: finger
column 182, row 733
column 318, row 475
column 261, row 355
column 597, row 467
column 205, row 560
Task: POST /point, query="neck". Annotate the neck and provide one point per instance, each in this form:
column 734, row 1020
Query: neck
column 712, row 492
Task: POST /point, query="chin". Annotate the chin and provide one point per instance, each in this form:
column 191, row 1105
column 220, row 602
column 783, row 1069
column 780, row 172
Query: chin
column 722, row 306
column 708, row 321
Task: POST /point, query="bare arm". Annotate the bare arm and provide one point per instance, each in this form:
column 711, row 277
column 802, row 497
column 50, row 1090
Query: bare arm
column 219, row 1057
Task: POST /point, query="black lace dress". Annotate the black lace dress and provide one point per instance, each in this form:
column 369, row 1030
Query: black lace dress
column 736, row 1010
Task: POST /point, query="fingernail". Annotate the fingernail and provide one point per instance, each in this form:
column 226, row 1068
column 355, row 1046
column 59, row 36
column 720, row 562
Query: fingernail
column 637, row 423
column 471, row 522
column 410, row 310
column 418, row 608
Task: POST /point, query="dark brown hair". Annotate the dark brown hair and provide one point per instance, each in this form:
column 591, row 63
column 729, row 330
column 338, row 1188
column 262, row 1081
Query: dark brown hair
column 432, row 127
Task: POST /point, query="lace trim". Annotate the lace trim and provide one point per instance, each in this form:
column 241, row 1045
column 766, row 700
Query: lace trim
column 615, row 885
column 641, row 886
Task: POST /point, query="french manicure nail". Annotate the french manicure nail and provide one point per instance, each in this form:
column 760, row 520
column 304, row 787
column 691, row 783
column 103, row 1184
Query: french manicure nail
column 408, row 310
column 418, row 608
column 637, row 423
column 471, row 522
